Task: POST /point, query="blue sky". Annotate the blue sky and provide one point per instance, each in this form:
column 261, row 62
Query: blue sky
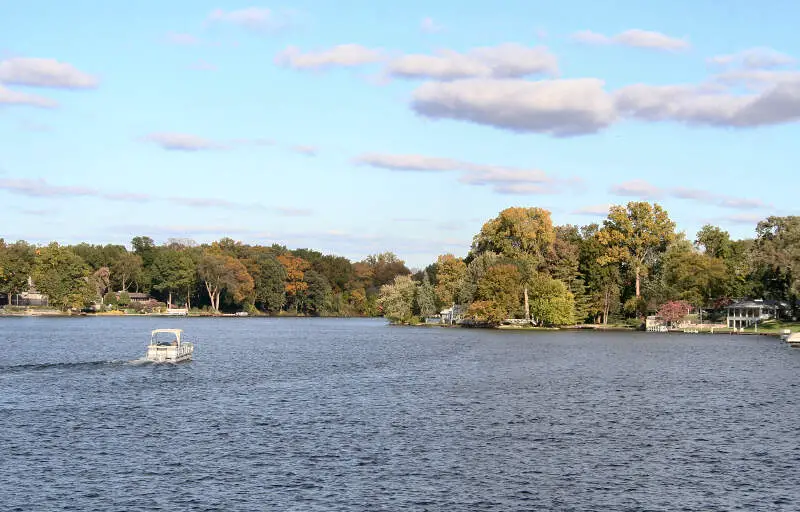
column 354, row 127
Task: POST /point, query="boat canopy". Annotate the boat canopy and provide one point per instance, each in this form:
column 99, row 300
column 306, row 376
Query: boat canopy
column 176, row 332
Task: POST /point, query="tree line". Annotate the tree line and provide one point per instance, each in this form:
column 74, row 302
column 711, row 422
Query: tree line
column 225, row 275
column 522, row 266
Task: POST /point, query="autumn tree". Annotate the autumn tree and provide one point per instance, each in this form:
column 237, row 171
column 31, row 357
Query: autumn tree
column 269, row 279
column 635, row 236
column 501, row 284
column 63, row 276
column 674, row 311
column 525, row 235
column 295, row 268
column 450, row 272
column 221, row 272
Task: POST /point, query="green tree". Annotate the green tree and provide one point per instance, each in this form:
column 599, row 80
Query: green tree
column 551, row 302
column 269, row 278
column 475, row 270
column 635, row 236
column 126, row 269
column 426, row 297
column 172, row 271
column 63, row 276
column 316, row 299
column 715, row 242
column 776, row 254
column 693, row 276
column 124, row 299
column 16, row 263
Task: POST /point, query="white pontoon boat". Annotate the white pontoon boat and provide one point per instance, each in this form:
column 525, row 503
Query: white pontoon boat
column 166, row 346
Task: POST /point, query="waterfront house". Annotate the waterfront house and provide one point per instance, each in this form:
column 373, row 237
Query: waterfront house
column 746, row 313
column 454, row 314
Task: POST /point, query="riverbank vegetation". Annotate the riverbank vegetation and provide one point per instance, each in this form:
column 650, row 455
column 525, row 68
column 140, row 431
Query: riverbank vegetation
column 520, row 266
column 635, row 263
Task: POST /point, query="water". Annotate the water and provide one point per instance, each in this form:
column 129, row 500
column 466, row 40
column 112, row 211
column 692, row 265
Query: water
column 337, row 414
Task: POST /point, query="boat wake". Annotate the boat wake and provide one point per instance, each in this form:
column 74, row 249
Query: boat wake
column 58, row 366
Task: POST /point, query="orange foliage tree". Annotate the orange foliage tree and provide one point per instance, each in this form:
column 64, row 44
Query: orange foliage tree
column 295, row 272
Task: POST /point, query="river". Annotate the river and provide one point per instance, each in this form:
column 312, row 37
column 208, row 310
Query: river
column 353, row 414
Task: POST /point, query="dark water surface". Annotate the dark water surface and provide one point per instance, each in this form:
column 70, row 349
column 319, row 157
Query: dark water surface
column 335, row 414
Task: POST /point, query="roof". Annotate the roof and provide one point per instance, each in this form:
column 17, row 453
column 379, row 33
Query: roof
column 171, row 331
column 758, row 303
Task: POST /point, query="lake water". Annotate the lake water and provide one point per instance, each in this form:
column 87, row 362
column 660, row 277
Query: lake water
column 350, row 414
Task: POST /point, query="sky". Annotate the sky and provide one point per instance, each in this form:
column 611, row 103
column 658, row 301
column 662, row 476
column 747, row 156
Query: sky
column 356, row 127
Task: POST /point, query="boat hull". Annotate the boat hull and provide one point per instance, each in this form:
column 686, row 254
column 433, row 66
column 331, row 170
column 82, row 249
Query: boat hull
column 170, row 354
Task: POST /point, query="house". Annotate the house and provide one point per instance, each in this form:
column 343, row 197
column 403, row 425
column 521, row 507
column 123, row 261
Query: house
column 453, row 315
column 654, row 323
column 31, row 297
column 136, row 296
column 748, row 312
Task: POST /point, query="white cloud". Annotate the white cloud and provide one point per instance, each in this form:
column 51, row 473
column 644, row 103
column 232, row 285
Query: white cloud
column 637, row 188
column 255, row 19
column 344, row 55
column 508, row 60
column 646, row 190
column 754, row 58
column 183, row 142
column 700, row 106
column 37, row 72
column 599, row 210
column 429, row 26
column 556, row 107
column 634, row 37
column 9, row 97
column 502, row 179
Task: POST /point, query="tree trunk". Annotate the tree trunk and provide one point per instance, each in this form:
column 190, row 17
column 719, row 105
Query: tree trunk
column 637, row 282
column 169, row 300
column 188, row 300
column 527, row 307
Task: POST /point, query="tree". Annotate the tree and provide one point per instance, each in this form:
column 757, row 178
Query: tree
column 475, row 270
column 172, row 271
column 220, row 272
column 487, row 311
column 674, row 311
column 63, row 276
column 693, row 276
column 295, row 268
column 16, row 262
column 385, row 267
column 269, row 278
column 501, row 284
column 316, row 298
column 397, row 299
column 715, row 242
column 126, row 269
column 515, row 232
column 551, row 302
column 776, row 254
column 100, row 281
column 450, row 271
column 426, row 297
column 525, row 235
column 635, row 236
